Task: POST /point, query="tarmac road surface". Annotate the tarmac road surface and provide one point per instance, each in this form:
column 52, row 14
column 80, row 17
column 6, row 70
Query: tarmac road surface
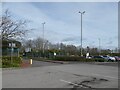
column 62, row 76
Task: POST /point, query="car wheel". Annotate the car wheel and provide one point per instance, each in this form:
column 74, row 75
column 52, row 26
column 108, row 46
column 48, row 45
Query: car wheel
column 109, row 60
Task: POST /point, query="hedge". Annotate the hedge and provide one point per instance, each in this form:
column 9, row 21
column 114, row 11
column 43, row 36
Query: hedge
column 7, row 61
column 77, row 58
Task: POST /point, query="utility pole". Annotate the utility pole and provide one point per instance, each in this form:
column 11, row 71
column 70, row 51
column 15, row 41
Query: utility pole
column 43, row 38
column 81, row 30
column 99, row 46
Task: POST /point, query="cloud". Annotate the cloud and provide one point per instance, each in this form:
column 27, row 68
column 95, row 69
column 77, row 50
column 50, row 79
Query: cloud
column 61, row 1
column 109, row 42
column 73, row 39
column 63, row 20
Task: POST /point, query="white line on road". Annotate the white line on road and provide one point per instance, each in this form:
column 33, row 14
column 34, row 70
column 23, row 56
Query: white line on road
column 69, row 82
column 105, row 76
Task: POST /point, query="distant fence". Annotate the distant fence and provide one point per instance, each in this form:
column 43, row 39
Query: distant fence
column 10, row 52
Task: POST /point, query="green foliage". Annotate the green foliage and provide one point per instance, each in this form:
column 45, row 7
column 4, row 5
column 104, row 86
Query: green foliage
column 7, row 61
column 77, row 58
column 70, row 58
column 115, row 54
column 99, row 60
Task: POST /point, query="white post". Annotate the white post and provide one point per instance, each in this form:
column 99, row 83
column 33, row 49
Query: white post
column 31, row 61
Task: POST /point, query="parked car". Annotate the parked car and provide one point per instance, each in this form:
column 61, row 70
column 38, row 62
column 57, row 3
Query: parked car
column 99, row 58
column 109, row 58
column 117, row 58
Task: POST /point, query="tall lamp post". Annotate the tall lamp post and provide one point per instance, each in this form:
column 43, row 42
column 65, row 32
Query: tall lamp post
column 99, row 46
column 81, row 30
column 43, row 37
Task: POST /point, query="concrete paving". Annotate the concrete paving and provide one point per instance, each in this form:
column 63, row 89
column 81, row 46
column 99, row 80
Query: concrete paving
column 62, row 76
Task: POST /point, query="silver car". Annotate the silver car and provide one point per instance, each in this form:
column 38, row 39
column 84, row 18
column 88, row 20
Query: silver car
column 109, row 58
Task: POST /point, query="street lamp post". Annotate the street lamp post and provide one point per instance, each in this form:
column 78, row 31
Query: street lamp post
column 43, row 37
column 81, row 30
column 99, row 46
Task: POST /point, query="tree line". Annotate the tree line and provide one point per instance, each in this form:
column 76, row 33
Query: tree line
column 36, row 46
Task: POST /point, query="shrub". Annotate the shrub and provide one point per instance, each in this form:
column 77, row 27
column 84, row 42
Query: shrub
column 72, row 58
column 100, row 60
column 77, row 58
column 66, row 58
column 7, row 61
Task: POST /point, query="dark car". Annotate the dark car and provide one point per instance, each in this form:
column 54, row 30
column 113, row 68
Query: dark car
column 99, row 58
column 117, row 58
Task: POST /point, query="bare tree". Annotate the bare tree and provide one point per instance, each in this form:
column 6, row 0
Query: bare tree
column 12, row 29
column 38, row 43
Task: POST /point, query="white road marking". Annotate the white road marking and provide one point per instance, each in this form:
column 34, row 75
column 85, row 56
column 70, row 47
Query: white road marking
column 69, row 82
column 105, row 76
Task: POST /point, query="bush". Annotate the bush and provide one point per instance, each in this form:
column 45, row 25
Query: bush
column 77, row 58
column 7, row 61
column 66, row 58
column 72, row 58
column 99, row 60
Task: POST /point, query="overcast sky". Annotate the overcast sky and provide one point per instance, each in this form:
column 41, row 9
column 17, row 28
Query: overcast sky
column 63, row 22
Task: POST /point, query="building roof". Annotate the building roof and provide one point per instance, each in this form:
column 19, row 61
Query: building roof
column 6, row 43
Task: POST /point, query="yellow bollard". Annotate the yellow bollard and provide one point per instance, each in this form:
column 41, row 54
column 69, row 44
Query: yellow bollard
column 30, row 61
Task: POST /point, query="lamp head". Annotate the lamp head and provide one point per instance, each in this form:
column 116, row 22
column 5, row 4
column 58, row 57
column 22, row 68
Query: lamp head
column 43, row 23
column 83, row 12
column 79, row 12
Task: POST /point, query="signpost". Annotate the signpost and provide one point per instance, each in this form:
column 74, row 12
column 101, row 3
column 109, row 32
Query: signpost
column 12, row 45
